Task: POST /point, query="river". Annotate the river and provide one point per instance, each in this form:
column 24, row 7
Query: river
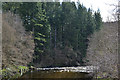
column 57, row 73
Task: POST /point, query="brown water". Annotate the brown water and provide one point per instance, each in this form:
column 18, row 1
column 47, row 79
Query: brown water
column 54, row 74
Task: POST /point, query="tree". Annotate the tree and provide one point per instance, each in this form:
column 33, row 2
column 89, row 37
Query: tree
column 11, row 6
column 27, row 12
column 90, row 23
column 98, row 20
column 103, row 51
column 41, row 30
column 56, row 26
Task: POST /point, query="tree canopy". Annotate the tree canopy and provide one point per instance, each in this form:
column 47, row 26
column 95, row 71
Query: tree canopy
column 56, row 26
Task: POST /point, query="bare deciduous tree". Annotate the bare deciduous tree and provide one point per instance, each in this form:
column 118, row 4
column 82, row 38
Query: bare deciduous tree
column 103, row 50
column 115, row 12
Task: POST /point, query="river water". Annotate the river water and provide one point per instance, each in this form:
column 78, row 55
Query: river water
column 56, row 73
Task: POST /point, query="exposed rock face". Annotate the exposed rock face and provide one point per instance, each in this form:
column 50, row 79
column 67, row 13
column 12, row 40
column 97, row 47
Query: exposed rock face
column 103, row 50
column 17, row 44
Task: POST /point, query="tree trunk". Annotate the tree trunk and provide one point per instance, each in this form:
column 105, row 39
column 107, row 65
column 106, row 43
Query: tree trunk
column 55, row 37
column 50, row 40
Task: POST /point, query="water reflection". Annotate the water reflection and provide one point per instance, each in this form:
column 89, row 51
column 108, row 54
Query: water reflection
column 54, row 74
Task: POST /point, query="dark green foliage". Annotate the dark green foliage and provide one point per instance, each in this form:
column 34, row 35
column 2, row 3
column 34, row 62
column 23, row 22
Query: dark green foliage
column 41, row 30
column 11, row 6
column 56, row 26
column 27, row 12
column 98, row 20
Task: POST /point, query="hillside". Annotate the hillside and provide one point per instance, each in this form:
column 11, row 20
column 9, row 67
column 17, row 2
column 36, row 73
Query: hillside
column 17, row 44
column 102, row 50
column 60, row 34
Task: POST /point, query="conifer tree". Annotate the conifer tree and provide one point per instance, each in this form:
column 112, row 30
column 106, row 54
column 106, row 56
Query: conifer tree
column 41, row 30
column 98, row 20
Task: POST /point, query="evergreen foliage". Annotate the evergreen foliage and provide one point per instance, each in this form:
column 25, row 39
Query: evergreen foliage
column 98, row 20
column 56, row 26
column 41, row 30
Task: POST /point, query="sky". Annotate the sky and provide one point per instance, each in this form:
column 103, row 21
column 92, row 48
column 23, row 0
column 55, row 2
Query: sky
column 103, row 5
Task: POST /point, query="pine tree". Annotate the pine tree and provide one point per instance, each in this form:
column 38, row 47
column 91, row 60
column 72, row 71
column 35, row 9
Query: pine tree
column 98, row 20
column 90, row 23
column 27, row 11
column 11, row 6
column 41, row 30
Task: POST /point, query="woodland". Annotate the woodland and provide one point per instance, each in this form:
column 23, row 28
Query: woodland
column 50, row 34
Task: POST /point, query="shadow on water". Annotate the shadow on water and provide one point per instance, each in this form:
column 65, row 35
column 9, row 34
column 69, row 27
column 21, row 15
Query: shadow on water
column 54, row 75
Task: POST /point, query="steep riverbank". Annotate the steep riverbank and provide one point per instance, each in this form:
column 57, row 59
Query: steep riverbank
column 103, row 50
column 17, row 44
column 18, row 49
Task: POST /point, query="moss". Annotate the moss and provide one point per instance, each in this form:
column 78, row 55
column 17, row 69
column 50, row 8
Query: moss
column 23, row 67
column 4, row 73
column 13, row 71
column 99, row 77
